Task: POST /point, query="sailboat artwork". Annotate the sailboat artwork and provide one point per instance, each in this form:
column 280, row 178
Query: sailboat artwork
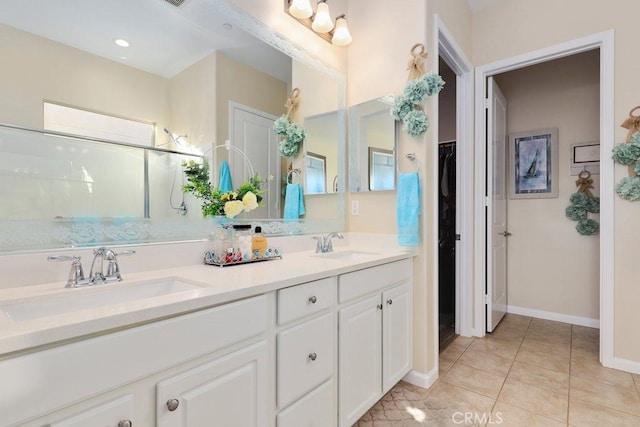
column 533, row 156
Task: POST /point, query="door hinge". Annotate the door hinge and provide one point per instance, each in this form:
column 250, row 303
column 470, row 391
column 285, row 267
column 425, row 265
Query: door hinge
column 486, row 299
column 486, row 103
column 457, row 237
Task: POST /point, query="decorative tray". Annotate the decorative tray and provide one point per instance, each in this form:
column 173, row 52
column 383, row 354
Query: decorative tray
column 236, row 258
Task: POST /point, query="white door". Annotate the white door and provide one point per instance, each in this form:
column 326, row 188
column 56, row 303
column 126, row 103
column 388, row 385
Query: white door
column 231, row 391
column 397, row 335
column 360, row 364
column 496, row 284
column 252, row 132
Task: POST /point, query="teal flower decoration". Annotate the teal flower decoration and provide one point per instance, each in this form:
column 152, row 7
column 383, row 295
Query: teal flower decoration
column 416, row 123
column 635, row 138
column 629, row 188
column 626, row 154
column 296, row 133
column 280, row 125
column 401, row 107
column 588, row 227
column 287, row 148
column 579, row 199
column 575, row 213
column 593, row 204
column 415, row 91
column 433, row 83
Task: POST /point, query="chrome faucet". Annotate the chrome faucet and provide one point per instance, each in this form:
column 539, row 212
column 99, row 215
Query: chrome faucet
column 325, row 244
column 97, row 274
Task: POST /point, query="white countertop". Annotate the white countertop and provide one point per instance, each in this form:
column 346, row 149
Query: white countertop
column 216, row 285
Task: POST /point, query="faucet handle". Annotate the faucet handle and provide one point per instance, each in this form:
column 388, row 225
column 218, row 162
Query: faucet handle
column 76, row 274
column 319, row 245
column 113, row 269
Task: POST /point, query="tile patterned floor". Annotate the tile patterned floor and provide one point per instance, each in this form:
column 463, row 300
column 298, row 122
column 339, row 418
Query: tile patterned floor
column 529, row 372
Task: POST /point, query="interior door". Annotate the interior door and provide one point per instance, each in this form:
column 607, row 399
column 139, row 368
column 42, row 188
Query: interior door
column 496, row 282
column 252, row 132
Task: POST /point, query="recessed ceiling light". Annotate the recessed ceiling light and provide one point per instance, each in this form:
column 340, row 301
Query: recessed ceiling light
column 121, row 42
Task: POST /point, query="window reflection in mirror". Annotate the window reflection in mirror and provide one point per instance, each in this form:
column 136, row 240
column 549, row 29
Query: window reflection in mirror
column 381, row 169
column 372, row 143
column 316, row 174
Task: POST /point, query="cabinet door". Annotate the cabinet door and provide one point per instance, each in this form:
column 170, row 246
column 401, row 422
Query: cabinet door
column 115, row 413
column 360, row 365
column 229, row 391
column 397, row 335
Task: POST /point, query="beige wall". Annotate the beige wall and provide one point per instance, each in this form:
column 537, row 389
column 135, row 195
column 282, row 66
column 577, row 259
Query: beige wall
column 541, row 233
column 377, row 66
column 572, row 19
column 244, row 85
column 34, row 69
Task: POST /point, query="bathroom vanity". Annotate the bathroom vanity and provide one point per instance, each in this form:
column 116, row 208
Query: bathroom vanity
column 312, row 339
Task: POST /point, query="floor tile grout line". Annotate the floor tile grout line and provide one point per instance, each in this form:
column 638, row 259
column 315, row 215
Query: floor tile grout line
column 607, row 407
column 510, row 367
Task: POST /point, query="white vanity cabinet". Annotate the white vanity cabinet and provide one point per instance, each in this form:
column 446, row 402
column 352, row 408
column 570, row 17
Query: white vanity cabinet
column 375, row 335
column 231, row 337
column 306, row 355
column 115, row 413
column 229, row 391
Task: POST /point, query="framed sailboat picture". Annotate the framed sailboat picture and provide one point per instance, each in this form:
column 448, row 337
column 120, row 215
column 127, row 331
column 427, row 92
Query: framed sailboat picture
column 533, row 164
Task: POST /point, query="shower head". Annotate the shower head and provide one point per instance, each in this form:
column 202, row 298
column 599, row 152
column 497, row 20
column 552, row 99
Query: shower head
column 179, row 140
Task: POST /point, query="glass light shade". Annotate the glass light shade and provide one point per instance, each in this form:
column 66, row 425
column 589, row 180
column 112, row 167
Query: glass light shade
column 341, row 35
column 300, row 9
column 322, row 23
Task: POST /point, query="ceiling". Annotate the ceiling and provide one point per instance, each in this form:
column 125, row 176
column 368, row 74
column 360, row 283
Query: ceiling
column 164, row 39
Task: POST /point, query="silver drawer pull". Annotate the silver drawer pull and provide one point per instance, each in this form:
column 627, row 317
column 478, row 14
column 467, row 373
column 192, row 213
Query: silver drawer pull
column 172, row 404
column 389, row 301
column 313, row 299
column 379, row 306
column 125, row 423
column 313, row 356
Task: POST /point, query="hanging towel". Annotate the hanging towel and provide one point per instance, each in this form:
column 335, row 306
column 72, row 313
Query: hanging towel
column 408, row 209
column 293, row 202
column 224, row 183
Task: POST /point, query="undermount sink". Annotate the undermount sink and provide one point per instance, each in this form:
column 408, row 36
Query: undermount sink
column 347, row 255
column 71, row 300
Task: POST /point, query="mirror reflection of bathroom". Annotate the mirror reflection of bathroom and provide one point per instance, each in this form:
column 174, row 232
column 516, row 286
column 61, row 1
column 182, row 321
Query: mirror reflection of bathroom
column 321, row 156
column 372, row 146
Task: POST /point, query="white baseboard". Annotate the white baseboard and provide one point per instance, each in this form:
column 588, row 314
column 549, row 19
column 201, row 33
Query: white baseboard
column 625, row 365
column 422, row 380
column 558, row 317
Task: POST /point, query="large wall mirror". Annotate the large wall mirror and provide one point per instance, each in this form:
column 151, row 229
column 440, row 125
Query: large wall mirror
column 372, row 146
column 195, row 76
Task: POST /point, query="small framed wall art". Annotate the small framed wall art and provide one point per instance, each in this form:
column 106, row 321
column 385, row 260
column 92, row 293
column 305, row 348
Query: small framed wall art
column 533, row 164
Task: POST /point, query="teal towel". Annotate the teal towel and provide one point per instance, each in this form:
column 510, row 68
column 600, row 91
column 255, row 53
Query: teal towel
column 293, row 202
column 408, row 209
column 224, row 183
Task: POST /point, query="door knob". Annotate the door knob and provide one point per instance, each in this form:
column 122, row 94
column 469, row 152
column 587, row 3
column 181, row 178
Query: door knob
column 125, row 423
column 505, row 233
column 172, row 404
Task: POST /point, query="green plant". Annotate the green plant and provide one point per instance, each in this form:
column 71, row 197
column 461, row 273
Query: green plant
column 245, row 198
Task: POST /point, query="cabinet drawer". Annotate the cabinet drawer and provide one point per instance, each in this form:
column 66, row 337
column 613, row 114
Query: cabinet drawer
column 316, row 409
column 299, row 301
column 106, row 414
column 362, row 282
column 306, row 357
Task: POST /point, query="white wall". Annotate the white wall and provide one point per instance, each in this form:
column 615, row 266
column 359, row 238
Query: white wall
column 541, row 233
column 498, row 34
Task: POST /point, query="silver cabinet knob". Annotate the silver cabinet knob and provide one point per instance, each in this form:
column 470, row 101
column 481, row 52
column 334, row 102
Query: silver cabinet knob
column 313, row 299
column 389, row 301
column 379, row 306
column 125, row 423
column 173, row 404
column 313, row 356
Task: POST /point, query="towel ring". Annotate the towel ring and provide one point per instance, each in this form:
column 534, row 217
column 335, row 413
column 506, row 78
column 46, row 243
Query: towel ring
column 412, row 158
column 290, row 175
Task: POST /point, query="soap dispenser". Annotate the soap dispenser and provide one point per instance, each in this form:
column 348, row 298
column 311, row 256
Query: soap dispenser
column 258, row 243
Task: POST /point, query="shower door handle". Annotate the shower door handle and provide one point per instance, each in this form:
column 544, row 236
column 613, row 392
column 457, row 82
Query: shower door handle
column 505, row 233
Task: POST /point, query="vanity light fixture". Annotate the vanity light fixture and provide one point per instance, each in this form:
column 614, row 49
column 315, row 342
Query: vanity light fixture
column 121, row 42
column 320, row 21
